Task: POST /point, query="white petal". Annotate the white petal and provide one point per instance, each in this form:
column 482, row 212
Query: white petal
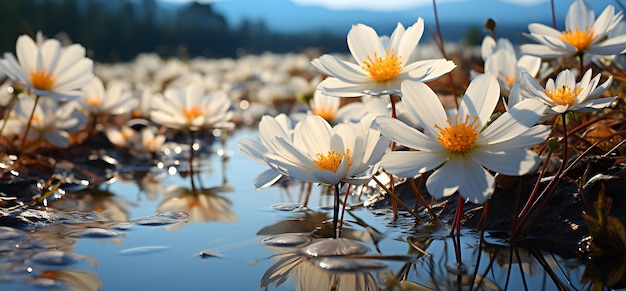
column 363, row 42
column 594, row 104
column 542, row 29
column 513, row 162
column 326, row 177
column 533, row 136
column 513, row 122
column 542, row 51
column 579, row 15
column 421, row 102
column 252, row 150
column 608, row 47
column 403, row 134
column 345, row 71
column 477, row 184
column 290, row 169
column 428, row 70
column 338, row 88
column 487, row 47
column 481, row 97
column 266, row 178
column 313, row 135
column 410, row 163
column 445, row 181
column 409, row 40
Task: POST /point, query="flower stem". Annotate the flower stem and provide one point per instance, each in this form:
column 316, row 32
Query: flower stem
column 343, row 210
column 336, row 211
column 394, row 115
column 8, row 114
column 420, row 197
column 191, row 156
column 28, row 125
column 553, row 14
column 458, row 215
column 443, row 53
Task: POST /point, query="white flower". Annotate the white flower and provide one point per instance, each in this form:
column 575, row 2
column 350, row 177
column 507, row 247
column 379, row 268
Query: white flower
column 191, row 109
column 48, row 69
column 502, row 61
column 115, row 100
column 323, row 154
column 583, row 34
column 381, row 63
column 565, row 94
column 269, row 127
column 459, row 149
column 52, row 121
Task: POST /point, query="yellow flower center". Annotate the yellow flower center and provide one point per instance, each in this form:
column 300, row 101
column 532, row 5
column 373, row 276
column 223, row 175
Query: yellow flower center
column 564, row 95
column 191, row 113
column 460, row 136
column 383, row 69
column 41, row 80
column 332, row 160
column 580, row 39
column 325, row 112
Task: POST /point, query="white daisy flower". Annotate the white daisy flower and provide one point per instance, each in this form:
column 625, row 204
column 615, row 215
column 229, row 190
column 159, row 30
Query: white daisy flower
column 47, row 68
column 459, row 149
column 565, row 94
column 190, row 108
column 584, row 33
column 381, row 63
column 52, row 121
column 269, row 127
column 115, row 100
column 502, row 62
column 329, row 155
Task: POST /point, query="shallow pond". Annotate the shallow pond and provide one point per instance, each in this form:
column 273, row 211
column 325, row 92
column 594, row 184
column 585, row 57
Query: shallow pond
column 146, row 234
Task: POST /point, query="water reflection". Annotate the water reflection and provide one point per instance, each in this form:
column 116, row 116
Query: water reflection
column 202, row 205
column 324, row 265
column 43, row 260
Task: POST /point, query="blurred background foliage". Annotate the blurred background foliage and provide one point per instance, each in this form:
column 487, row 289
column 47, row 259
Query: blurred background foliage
column 119, row 30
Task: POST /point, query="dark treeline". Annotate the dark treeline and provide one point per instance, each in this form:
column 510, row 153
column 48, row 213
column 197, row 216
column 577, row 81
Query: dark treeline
column 119, row 30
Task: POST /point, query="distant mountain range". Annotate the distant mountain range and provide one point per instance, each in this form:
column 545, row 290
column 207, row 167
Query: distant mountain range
column 455, row 17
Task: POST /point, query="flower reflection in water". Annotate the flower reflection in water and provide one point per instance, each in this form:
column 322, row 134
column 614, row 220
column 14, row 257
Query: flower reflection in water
column 317, row 262
column 202, row 205
column 43, row 260
column 323, row 265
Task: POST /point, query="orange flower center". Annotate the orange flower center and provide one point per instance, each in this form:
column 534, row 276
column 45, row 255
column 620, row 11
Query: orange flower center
column 580, row 39
column 191, row 113
column 510, row 80
column 383, row 69
column 325, row 112
column 564, row 95
column 93, row 101
column 41, row 80
column 332, row 160
column 460, row 136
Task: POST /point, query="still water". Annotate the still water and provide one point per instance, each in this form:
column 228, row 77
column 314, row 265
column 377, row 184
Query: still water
column 151, row 236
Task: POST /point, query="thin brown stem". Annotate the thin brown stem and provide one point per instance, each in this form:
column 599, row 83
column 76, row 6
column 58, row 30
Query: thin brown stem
column 191, row 156
column 458, row 215
column 553, row 14
column 343, row 210
column 394, row 204
column 28, row 125
column 443, row 53
column 416, row 190
column 395, row 197
column 335, row 210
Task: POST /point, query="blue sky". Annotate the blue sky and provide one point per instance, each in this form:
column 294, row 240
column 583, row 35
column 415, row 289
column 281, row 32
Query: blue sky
column 339, row 15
